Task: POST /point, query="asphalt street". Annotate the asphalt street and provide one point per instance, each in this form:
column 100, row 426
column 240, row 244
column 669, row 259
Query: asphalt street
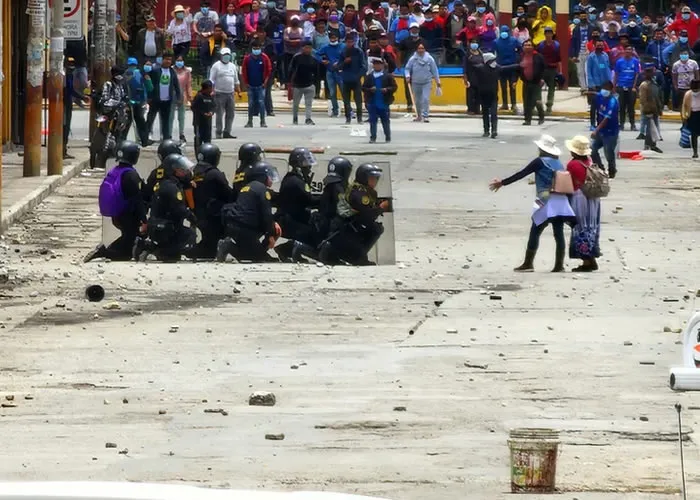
column 397, row 381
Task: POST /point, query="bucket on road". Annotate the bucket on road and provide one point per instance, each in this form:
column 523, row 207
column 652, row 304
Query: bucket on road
column 533, row 460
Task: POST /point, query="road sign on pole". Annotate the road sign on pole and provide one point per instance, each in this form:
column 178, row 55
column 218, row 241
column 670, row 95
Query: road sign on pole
column 73, row 16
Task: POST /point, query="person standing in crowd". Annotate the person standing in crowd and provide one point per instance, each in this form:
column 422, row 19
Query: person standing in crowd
column 203, row 108
column 138, row 88
column 69, row 94
column 224, row 75
column 488, row 76
column 379, row 88
column 551, row 53
column 210, row 43
column 329, row 57
column 532, row 68
column 421, row 70
column 150, row 41
column 507, row 54
column 180, row 31
column 231, row 23
column 488, row 33
column 544, row 20
column 655, row 50
column 210, row 49
column 519, row 14
column 302, row 75
column 350, row 19
column 431, row 32
column 684, row 71
column 619, row 51
column 690, row 114
column 352, row 68
column 627, row 72
column 672, row 55
column 687, row 22
column 417, row 13
column 254, row 18
column 578, row 50
column 650, row 107
column 335, row 26
column 473, row 58
column 184, row 77
column 166, row 94
column 407, row 47
column 400, row 26
column 319, row 40
column 256, row 71
column 293, row 37
column 598, row 72
column 204, row 21
column 554, row 207
column 595, row 37
column 268, row 48
column 610, row 37
column 585, row 235
column 607, row 131
column 531, row 12
column 521, row 32
column 454, row 25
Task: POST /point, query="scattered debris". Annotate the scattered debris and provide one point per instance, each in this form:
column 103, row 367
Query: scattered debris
column 262, row 398
column 216, row 410
column 174, row 329
column 110, row 445
column 274, row 437
column 399, row 408
column 479, row 367
column 112, row 306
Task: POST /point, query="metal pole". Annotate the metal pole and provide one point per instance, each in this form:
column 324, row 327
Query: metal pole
column 680, row 444
column 36, row 13
column 102, row 37
column 55, row 92
column 2, row 80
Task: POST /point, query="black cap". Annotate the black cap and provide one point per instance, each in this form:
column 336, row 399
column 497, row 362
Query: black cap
column 684, row 32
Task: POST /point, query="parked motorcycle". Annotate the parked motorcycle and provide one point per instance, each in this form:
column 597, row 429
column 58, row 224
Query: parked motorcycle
column 112, row 127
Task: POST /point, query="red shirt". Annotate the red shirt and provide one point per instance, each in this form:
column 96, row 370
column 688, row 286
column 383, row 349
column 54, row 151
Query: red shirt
column 590, row 47
column 577, row 169
column 692, row 25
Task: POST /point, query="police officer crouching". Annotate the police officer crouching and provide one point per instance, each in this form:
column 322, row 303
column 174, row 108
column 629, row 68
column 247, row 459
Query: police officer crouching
column 168, row 238
column 294, row 204
column 359, row 229
column 121, row 199
column 249, row 225
column 211, row 192
column 165, row 148
column 248, row 155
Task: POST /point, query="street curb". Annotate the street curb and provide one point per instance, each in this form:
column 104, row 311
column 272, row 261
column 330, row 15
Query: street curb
column 28, row 203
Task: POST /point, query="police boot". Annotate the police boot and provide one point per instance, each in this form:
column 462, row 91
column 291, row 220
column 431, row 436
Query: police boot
column 223, row 249
column 326, row 254
column 99, row 251
column 284, row 250
column 138, row 251
column 559, row 261
column 526, row 266
column 299, row 250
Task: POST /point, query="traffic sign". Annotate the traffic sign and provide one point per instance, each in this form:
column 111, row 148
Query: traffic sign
column 73, row 18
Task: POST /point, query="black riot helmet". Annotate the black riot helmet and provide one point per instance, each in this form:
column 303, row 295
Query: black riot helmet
column 263, row 172
column 249, row 154
column 365, row 171
column 169, row 147
column 178, row 167
column 301, row 160
column 128, row 152
column 209, row 153
column 339, row 168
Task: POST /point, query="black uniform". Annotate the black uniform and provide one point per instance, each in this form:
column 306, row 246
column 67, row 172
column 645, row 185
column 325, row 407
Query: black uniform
column 202, row 106
column 212, row 193
column 249, row 220
column 294, row 204
column 169, row 238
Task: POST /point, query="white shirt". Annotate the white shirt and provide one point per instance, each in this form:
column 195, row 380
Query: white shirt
column 149, row 46
column 164, row 84
column 182, row 32
column 230, row 23
column 224, row 77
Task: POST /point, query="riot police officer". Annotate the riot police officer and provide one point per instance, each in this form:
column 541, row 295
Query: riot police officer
column 168, row 238
column 248, row 155
column 295, row 202
column 121, row 199
column 359, row 211
column 249, row 225
column 166, row 148
column 211, row 192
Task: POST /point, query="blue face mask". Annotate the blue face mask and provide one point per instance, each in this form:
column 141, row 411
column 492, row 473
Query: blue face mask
column 481, row 10
column 591, row 17
column 310, row 10
column 179, row 64
column 334, row 43
column 683, row 39
column 504, row 35
column 577, row 20
column 684, row 57
column 226, row 58
column 257, row 52
column 489, row 23
column 685, row 16
column 180, row 15
column 385, row 5
column 205, row 10
column 147, row 68
column 605, row 93
column 519, row 14
column 271, row 5
column 415, row 35
column 474, row 46
column 618, row 8
column 159, row 60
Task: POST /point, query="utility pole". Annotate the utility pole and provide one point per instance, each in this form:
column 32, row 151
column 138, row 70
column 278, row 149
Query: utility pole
column 36, row 14
column 2, row 81
column 104, row 49
column 55, row 92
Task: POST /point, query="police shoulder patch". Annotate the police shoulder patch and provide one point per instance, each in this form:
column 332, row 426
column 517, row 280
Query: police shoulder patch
column 160, row 173
column 179, row 196
column 156, row 187
column 365, row 200
column 245, row 189
column 268, row 196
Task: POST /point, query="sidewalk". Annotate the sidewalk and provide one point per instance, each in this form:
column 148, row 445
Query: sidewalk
column 21, row 194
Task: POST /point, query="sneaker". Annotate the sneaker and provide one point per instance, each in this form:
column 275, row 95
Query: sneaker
column 248, row 125
column 640, row 137
column 527, row 123
column 229, row 136
column 504, row 107
column 263, row 125
column 612, row 173
column 426, row 120
column 592, row 128
column 695, row 155
column 309, row 122
column 223, row 248
column 656, row 149
column 372, row 141
column 494, row 135
column 634, row 128
column 418, row 119
column 549, row 110
column 387, row 140
column 183, row 139
column 138, row 248
column 485, row 134
column 295, row 121
column 540, row 121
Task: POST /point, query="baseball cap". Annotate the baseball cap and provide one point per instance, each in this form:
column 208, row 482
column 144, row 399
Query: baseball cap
column 132, row 61
column 548, row 28
column 369, row 11
column 436, row 8
column 686, row 9
column 414, row 25
column 225, row 51
column 149, row 17
column 684, row 33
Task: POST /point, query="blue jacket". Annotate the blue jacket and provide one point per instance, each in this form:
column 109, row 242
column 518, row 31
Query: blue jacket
column 137, row 88
column 507, row 50
column 332, row 53
column 356, row 68
column 598, row 69
column 575, row 45
column 656, row 50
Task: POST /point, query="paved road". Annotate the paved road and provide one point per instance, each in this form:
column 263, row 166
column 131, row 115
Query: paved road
column 342, row 347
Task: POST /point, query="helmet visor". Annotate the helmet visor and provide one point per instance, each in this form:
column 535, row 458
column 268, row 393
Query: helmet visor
column 273, row 174
column 186, row 163
column 308, row 160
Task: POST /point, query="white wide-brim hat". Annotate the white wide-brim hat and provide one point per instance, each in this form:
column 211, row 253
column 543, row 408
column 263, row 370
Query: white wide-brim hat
column 548, row 144
column 579, row 144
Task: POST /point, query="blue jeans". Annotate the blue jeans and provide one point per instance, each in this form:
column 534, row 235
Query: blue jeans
column 376, row 114
column 256, row 101
column 644, row 123
column 608, row 143
column 332, row 82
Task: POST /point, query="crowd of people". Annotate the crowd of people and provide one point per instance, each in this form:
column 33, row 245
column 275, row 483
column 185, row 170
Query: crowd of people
column 244, row 218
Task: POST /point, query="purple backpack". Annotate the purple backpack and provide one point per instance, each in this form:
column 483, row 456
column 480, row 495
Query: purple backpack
column 111, row 198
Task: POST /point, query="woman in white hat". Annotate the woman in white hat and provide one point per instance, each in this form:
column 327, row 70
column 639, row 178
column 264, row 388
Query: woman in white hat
column 180, row 31
column 551, row 207
column 585, row 236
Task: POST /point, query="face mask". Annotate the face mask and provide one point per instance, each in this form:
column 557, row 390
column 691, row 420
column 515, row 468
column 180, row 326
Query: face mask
column 159, row 60
column 205, row 10
column 377, row 74
column 474, row 46
column 147, row 68
column 489, row 23
column 591, row 17
column 519, row 14
column 504, row 35
column 683, row 39
column 334, row 43
column 226, row 58
column 684, row 57
column 481, row 10
column 414, row 35
column 271, row 5
column 618, row 8
column 605, row 93
column 118, row 78
column 404, row 17
column 310, row 10
column 633, row 24
column 257, row 52
column 180, row 15
column 179, row 64
column 333, row 19
column 685, row 16
column 577, row 20
column 428, row 19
